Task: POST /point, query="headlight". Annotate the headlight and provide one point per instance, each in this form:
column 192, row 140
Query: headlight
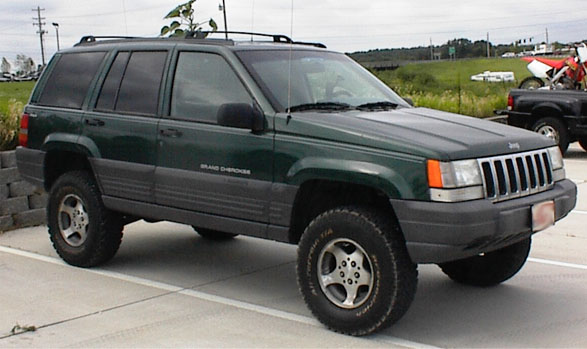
column 556, row 158
column 455, row 180
column 556, row 161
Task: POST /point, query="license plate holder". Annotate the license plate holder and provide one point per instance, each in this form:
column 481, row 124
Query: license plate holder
column 542, row 215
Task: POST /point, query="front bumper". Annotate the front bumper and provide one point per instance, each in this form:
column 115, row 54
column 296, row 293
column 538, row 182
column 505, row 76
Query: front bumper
column 442, row 232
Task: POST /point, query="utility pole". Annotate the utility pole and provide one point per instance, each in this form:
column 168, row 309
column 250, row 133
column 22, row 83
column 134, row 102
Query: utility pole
column 488, row 52
column 431, row 50
column 41, row 31
column 547, row 36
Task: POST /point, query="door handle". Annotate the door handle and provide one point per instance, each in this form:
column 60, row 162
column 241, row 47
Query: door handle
column 94, row 122
column 170, row 132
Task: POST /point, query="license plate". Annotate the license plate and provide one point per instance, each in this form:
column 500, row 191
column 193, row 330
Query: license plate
column 542, row 215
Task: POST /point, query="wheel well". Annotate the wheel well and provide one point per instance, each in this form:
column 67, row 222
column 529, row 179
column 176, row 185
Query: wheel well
column 317, row 196
column 58, row 162
column 546, row 111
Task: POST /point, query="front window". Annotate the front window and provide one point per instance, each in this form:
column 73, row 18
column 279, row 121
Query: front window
column 316, row 77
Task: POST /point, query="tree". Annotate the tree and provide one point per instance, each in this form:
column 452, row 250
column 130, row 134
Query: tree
column 24, row 65
column 183, row 15
column 5, row 66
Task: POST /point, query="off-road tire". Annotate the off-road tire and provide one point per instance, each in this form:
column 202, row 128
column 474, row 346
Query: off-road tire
column 491, row 268
column 103, row 228
column 554, row 129
column 531, row 83
column 393, row 276
column 215, row 235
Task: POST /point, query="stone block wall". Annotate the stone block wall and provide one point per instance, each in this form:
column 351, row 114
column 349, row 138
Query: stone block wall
column 21, row 204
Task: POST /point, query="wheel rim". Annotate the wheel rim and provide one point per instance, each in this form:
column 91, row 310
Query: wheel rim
column 73, row 220
column 549, row 132
column 345, row 273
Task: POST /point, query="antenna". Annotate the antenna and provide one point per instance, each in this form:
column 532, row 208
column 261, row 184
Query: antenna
column 290, row 55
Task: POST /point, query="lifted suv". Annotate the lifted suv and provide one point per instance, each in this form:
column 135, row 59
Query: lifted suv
column 290, row 142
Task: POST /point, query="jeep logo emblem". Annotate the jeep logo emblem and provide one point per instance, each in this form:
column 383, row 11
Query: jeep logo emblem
column 514, row 146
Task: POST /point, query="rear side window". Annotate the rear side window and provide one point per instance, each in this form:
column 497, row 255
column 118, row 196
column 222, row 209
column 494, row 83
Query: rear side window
column 133, row 82
column 70, row 79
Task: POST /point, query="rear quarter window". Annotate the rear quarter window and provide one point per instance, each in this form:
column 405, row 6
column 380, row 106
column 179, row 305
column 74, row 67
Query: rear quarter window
column 70, row 80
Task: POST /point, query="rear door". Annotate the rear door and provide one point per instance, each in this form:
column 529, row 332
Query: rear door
column 205, row 167
column 123, row 124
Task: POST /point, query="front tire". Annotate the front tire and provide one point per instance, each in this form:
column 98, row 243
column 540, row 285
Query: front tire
column 354, row 271
column 491, row 268
column 83, row 232
column 554, row 129
column 531, row 83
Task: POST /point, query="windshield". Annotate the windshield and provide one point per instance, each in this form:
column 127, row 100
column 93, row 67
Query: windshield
column 318, row 78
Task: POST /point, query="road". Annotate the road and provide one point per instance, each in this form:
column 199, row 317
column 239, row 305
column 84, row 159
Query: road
column 167, row 287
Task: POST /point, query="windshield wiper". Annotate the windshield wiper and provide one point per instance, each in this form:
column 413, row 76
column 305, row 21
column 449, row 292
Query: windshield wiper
column 333, row 106
column 378, row 106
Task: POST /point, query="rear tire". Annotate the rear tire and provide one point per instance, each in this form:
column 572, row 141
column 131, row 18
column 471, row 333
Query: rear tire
column 531, row 83
column 491, row 268
column 84, row 232
column 354, row 271
column 216, row 235
column 554, row 129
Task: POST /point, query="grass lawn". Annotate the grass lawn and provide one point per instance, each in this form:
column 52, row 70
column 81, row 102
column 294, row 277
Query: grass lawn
column 447, row 86
column 20, row 91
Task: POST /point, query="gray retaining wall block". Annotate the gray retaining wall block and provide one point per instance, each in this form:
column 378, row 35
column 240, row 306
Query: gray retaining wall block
column 38, row 200
column 8, row 159
column 6, row 222
column 21, row 188
column 30, row 218
column 4, row 191
column 9, row 175
column 14, row 205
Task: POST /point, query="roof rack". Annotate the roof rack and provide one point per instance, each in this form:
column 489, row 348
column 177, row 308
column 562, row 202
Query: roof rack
column 91, row 38
column 277, row 38
column 199, row 34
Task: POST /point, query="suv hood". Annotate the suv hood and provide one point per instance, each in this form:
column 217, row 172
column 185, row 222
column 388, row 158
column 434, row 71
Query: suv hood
column 418, row 131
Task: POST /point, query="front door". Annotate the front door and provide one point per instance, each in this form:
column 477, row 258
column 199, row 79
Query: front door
column 204, row 167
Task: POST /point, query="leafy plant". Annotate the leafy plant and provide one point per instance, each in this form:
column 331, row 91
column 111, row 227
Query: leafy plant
column 10, row 125
column 183, row 16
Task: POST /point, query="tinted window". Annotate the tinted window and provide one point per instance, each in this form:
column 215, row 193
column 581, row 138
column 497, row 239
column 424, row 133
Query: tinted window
column 202, row 83
column 139, row 90
column 70, row 79
column 107, row 99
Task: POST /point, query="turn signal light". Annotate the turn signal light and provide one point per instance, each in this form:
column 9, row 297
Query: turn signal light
column 23, row 136
column 434, row 174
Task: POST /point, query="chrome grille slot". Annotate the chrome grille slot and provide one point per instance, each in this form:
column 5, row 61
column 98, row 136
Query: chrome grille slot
column 510, row 176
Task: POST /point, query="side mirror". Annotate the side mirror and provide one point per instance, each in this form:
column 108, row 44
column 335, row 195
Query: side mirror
column 240, row 115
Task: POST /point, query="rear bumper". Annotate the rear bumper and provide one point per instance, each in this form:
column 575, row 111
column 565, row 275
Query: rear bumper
column 30, row 165
column 441, row 232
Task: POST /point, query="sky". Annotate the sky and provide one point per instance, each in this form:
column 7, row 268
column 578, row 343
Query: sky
column 342, row 25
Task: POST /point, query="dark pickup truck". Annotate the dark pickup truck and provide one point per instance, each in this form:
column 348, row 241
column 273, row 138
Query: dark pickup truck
column 558, row 114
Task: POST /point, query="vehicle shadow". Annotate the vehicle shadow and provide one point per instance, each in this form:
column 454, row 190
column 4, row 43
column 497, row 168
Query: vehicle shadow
column 444, row 313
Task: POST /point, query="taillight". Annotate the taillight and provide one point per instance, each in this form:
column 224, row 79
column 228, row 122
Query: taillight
column 23, row 136
column 510, row 102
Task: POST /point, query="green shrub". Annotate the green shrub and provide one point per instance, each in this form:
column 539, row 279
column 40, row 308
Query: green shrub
column 10, row 125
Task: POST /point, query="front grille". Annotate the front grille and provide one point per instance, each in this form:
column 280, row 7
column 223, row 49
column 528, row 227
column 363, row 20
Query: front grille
column 511, row 176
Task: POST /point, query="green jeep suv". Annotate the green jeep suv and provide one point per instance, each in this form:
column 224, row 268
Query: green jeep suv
column 290, row 142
